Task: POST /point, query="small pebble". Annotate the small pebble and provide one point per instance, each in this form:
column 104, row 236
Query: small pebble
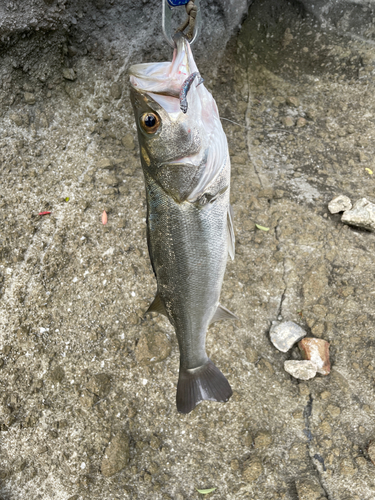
column 362, row 215
column 362, row 157
column 301, row 122
column 292, row 101
column 69, row 74
column 303, row 370
column 317, row 351
column 288, row 121
column 116, row 455
column 340, row 203
column 284, row 335
column 116, row 91
column 371, row 452
column 29, row 98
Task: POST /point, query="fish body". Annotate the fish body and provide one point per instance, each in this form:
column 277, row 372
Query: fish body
column 186, row 167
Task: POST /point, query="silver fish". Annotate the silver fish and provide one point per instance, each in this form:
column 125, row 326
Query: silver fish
column 186, row 166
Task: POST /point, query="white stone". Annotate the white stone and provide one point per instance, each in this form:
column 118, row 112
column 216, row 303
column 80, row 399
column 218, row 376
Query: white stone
column 340, row 203
column 362, row 215
column 284, row 335
column 303, row 370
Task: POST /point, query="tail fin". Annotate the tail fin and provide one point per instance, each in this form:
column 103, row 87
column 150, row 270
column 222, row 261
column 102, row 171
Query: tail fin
column 203, row 383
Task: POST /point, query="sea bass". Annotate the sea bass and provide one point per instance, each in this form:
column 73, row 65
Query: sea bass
column 186, row 167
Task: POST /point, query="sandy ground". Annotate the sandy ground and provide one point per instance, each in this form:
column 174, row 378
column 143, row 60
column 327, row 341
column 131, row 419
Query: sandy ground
column 87, row 383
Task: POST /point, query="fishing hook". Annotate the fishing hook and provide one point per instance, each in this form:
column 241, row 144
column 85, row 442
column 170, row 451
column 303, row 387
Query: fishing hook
column 194, row 20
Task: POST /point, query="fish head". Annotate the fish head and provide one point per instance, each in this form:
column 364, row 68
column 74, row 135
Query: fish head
column 181, row 151
column 165, row 134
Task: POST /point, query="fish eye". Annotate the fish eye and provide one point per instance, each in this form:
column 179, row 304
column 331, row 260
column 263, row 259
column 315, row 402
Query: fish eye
column 150, row 122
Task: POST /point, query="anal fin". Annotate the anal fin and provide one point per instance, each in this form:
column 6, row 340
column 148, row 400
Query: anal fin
column 222, row 313
column 157, row 306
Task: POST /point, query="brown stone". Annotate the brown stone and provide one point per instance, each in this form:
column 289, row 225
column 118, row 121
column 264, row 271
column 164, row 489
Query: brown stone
column 371, row 452
column 99, row 384
column 309, row 488
column 29, row 98
column 288, row 121
column 88, row 399
column 292, row 101
column 347, row 467
column 262, row 440
column 252, row 470
column 116, row 455
column 317, row 351
column 153, row 347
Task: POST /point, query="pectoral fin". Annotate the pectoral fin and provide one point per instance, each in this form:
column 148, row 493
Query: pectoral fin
column 222, row 313
column 231, row 242
column 157, row 306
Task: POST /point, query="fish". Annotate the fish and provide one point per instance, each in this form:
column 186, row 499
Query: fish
column 186, row 167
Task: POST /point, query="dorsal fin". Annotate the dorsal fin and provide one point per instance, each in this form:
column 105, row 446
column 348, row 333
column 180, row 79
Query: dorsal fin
column 157, row 306
column 222, row 313
column 230, row 236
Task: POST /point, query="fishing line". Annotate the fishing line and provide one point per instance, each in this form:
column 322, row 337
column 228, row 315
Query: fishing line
column 264, row 131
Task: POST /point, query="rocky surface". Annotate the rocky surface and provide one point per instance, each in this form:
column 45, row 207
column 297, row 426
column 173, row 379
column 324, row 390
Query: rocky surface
column 84, row 377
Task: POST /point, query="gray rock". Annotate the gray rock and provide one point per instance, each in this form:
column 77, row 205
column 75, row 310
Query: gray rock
column 340, row 203
column 361, row 215
column 284, row 335
column 303, row 370
column 69, row 74
column 128, row 141
column 29, row 98
column 116, row 455
column 116, row 91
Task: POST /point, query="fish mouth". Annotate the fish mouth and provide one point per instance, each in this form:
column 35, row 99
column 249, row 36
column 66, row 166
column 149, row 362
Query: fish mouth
column 196, row 160
column 165, row 78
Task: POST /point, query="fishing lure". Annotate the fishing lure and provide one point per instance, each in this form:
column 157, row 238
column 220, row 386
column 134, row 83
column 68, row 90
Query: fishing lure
column 185, row 89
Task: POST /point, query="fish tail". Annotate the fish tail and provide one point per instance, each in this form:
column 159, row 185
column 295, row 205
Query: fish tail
column 198, row 384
